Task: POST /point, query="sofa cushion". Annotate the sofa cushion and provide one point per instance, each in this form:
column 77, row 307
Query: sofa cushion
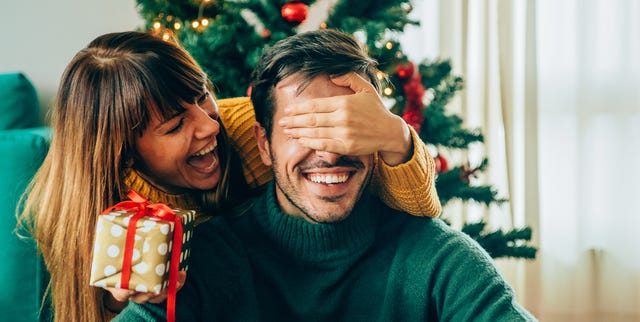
column 18, row 102
column 22, row 274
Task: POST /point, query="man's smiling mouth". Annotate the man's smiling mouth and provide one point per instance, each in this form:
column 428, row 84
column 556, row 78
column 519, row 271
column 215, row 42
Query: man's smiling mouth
column 329, row 178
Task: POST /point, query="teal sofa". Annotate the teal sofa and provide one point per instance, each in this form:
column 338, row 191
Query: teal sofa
column 23, row 147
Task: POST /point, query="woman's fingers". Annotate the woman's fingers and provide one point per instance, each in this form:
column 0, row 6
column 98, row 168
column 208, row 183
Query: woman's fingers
column 120, row 295
column 310, row 121
column 355, row 82
column 317, row 105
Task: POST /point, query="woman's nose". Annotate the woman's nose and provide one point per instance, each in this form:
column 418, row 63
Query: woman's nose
column 206, row 125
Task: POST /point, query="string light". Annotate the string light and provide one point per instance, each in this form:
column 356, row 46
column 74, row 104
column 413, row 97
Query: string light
column 201, row 22
column 389, row 45
column 380, row 75
column 198, row 24
column 387, row 91
column 323, row 25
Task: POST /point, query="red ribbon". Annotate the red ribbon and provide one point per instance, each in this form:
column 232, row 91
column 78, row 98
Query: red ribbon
column 143, row 208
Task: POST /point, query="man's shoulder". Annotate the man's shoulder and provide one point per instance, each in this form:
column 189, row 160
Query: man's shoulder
column 431, row 227
column 427, row 236
column 416, row 226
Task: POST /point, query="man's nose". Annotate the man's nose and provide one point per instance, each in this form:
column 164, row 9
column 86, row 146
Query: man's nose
column 329, row 157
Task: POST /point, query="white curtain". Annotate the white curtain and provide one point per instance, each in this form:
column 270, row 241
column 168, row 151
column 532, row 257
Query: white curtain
column 555, row 87
column 589, row 136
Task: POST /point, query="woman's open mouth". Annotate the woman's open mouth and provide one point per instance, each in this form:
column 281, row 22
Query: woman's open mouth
column 204, row 160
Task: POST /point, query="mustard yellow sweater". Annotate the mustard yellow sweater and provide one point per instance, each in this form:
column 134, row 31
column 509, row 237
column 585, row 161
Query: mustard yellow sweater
column 409, row 186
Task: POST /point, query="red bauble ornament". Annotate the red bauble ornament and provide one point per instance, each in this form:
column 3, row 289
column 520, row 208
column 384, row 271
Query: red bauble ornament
column 265, row 33
column 441, row 164
column 405, row 71
column 294, row 12
column 414, row 118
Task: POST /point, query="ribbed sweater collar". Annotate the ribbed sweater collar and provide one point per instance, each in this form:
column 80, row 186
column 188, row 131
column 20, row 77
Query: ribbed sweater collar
column 135, row 182
column 309, row 242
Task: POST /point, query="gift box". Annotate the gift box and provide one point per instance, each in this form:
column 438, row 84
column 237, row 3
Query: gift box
column 135, row 244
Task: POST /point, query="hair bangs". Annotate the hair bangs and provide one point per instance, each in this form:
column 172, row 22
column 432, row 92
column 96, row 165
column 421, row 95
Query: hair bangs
column 176, row 79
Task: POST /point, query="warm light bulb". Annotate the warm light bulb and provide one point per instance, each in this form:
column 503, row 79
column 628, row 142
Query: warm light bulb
column 165, row 36
column 205, row 22
column 195, row 24
column 169, row 18
column 177, row 26
column 156, row 25
column 387, row 91
column 389, row 45
column 323, row 25
column 380, row 75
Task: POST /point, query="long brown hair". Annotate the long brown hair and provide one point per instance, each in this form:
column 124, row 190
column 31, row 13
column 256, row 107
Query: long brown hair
column 103, row 102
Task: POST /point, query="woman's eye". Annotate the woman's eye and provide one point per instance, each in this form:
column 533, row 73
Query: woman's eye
column 177, row 126
column 202, row 98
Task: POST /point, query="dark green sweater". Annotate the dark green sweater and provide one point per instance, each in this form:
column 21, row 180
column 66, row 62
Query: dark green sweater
column 377, row 265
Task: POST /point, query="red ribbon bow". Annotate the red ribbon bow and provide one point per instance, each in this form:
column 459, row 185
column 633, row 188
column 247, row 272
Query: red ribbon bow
column 143, row 208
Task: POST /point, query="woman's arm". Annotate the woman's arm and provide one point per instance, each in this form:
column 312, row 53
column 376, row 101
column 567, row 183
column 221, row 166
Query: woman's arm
column 409, row 186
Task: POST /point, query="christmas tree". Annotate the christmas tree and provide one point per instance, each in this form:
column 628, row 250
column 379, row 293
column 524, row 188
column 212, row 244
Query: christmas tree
column 228, row 37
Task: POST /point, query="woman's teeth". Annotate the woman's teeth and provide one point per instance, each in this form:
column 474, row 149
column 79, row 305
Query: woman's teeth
column 206, row 150
column 328, row 178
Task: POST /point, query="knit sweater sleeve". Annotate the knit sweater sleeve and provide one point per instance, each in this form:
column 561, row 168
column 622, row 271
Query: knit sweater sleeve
column 409, row 186
column 238, row 117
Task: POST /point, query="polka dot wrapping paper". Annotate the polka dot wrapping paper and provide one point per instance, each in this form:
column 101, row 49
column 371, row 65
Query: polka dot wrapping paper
column 150, row 260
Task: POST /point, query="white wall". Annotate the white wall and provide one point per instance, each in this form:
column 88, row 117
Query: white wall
column 39, row 37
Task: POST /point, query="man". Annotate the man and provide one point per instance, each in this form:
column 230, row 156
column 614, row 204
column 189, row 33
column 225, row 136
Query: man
column 318, row 246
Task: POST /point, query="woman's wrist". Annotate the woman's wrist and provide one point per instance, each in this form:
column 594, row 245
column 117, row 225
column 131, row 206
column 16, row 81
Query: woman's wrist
column 111, row 304
column 400, row 148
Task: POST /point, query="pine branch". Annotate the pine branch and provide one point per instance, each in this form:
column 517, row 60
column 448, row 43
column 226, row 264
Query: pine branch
column 454, row 184
column 375, row 17
column 499, row 244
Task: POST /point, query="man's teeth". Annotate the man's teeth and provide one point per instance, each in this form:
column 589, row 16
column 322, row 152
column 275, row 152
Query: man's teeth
column 206, row 150
column 328, row 179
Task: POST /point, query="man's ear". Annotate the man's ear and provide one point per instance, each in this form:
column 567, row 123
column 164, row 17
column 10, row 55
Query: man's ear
column 263, row 143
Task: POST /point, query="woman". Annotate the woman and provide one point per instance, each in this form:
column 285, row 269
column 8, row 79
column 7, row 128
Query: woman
column 136, row 112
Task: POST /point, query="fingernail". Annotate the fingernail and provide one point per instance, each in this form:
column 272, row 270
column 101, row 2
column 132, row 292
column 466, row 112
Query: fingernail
column 283, row 121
